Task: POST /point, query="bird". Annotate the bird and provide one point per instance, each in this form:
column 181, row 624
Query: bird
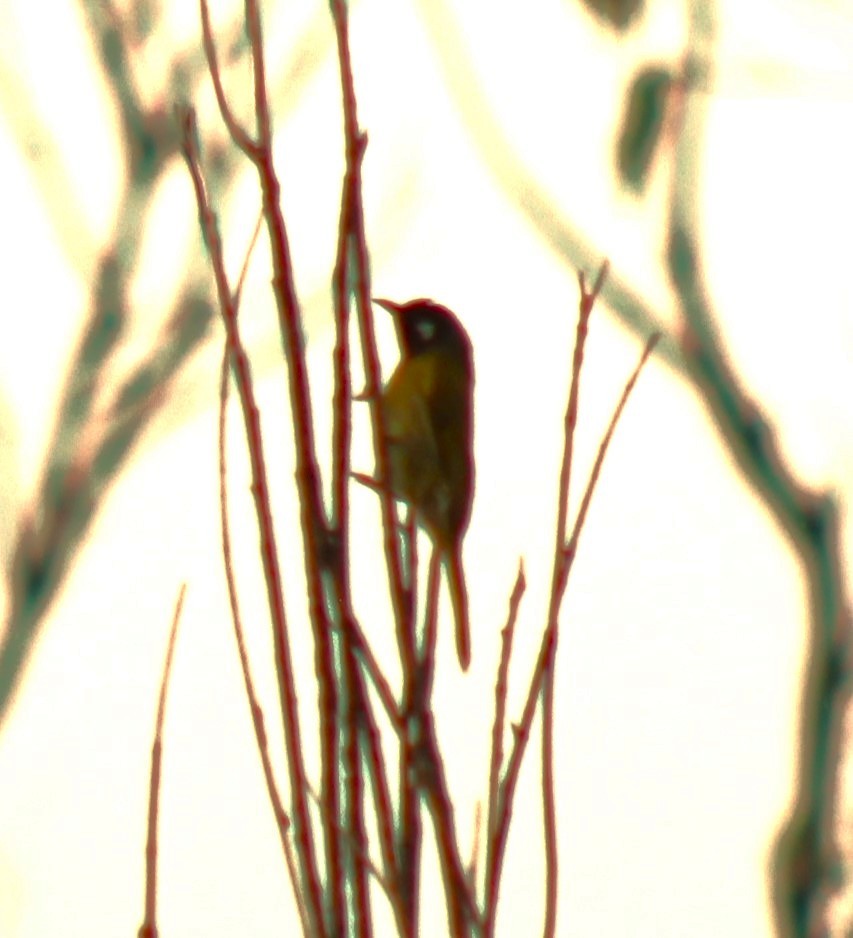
column 428, row 414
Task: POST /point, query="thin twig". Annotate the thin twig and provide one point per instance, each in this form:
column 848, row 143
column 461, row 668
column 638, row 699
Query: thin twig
column 238, row 290
column 427, row 765
column 426, row 670
column 353, row 687
column 496, row 761
column 410, row 552
column 571, row 547
column 360, row 645
column 262, row 110
column 281, row 817
column 287, row 692
column 549, row 807
column 313, row 519
column 357, row 885
column 540, row 207
column 240, row 137
column 361, row 725
column 401, row 598
column 471, row 869
column 148, row 929
column 355, row 142
column 587, row 301
column 312, row 514
column 810, row 518
column 564, row 557
column 376, row 771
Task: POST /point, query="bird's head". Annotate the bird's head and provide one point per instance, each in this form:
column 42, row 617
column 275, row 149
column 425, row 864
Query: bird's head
column 425, row 326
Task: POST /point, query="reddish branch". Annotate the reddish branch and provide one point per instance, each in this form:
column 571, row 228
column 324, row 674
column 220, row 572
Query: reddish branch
column 542, row 679
column 427, row 765
column 402, row 598
column 354, row 690
column 316, row 533
column 371, row 743
column 357, row 738
column 558, row 586
column 426, row 667
column 355, row 142
column 307, row 473
column 148, row 929
column 500, row 699
column 281, row 817
column 269, row 551
column 324, row 548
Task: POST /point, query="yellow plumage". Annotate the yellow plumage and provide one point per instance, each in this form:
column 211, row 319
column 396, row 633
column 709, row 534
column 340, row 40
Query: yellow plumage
column 428, row 412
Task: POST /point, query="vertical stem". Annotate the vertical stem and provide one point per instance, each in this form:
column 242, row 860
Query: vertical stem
column 269, row 552
column 307, row 475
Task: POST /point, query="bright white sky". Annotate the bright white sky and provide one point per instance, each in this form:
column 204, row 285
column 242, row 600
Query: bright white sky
column 683, row 635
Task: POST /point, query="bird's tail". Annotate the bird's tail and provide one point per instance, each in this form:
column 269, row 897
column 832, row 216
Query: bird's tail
column 459, row 600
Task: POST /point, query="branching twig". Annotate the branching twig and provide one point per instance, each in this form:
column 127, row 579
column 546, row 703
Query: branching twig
column 558, row 585
column 810, row 518
column 401, row 597
column 543, row 669
column 570, row 548
column 287, row 692
column 355, row 143
column 237, row 133
column 314, row 524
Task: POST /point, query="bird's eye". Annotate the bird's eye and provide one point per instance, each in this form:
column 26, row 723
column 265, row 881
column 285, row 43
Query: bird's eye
column 426, row 329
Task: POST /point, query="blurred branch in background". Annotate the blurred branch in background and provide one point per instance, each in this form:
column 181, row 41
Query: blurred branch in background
column 101, row 415
column 804, row 862
column 498, row 153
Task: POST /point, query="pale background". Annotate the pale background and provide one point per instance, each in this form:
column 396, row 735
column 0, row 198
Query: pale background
column 681, row 651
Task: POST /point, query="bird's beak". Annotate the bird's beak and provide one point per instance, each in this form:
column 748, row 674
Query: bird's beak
column 393, row 308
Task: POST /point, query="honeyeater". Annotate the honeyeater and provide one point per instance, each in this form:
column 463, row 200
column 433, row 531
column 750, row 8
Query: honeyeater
column 428, row 407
